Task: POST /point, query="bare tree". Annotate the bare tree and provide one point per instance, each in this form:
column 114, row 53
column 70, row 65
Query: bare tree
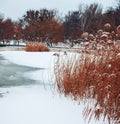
column 72, row 24
column 90, row 14
column 86, row 19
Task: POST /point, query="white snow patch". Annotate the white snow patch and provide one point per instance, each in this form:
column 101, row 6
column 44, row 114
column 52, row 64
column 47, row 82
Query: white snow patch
column 37, row 105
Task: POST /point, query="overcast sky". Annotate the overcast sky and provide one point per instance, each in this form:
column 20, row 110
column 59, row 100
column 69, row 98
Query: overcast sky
column 15, row 9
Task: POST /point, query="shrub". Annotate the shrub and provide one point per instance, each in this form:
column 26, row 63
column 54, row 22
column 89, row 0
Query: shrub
column 36, row 47
column 95, row 77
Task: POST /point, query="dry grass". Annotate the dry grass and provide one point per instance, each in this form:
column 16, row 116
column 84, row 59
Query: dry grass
column 36, row 47
column 94, row 77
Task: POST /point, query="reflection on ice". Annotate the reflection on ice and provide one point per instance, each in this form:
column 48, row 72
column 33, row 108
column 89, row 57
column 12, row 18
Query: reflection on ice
column 13, row 75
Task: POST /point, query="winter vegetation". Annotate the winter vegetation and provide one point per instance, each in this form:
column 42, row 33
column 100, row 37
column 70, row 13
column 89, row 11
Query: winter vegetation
column 90, row 74
column 36, row 47
column 95, row 79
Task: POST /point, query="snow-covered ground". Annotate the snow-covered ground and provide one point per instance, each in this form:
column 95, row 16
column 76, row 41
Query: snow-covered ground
column 38, row 104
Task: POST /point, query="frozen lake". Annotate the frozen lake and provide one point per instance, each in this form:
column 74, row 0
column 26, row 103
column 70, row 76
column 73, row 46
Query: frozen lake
column 24, row 100
column 13, row 75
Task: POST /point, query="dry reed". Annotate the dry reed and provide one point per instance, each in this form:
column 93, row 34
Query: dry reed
column 36, row 47
column 96, row 77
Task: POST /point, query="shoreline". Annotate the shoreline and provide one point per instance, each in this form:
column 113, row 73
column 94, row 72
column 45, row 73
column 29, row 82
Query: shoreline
column 12, row 48
column 21, row 48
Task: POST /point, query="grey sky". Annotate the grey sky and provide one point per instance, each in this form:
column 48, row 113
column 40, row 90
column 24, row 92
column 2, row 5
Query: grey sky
column 16, row 8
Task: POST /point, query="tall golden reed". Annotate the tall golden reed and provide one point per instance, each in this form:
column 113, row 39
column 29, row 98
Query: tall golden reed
column 95, row 76
column 36, row 47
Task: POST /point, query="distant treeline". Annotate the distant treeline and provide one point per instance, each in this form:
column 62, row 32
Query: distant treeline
column 48, row 26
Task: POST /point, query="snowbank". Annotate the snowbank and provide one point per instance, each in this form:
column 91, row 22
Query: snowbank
column 37, row 105
column 40, row 60
column 31, row 59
